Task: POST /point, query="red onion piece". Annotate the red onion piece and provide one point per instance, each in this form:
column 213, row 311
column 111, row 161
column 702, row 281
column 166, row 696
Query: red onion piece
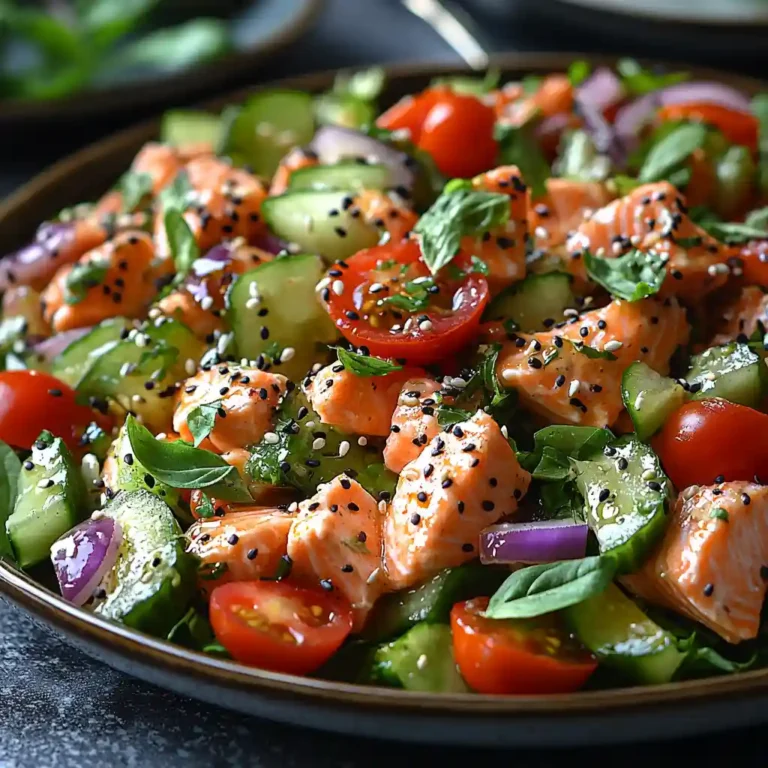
column 48, row 349
column 553, row 124
column 601, row 90
column 34, row 261
column 544, row 541
column 83, row 556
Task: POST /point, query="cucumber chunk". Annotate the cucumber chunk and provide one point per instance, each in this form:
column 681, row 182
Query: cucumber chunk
column 733, row 372
column 344, row 176
column 267, row 126
column 180, row 127
column 535, row 304
column 51, row 500
column 153, row 580
column 344, row 109
column 626, row 497
column 421, row 660
column 649, row 398
column 320, row 222
column 622, row 637
column 734, row 171
column 280, row 296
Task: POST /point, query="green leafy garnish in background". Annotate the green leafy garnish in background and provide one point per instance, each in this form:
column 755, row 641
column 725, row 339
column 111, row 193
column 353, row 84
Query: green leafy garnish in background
column 638, row 81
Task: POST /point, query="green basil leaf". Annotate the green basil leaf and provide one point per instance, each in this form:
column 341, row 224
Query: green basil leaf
column 639, row 81
column 624, row 184
column 553, row 466
column 531, row 84
column 205, row 507
column 366, row 84
column 454, row 215
column 630, row 277
column 671, row 151
column 216, row 649
column 365, row 365
column 519, row 147
column 180, row 465
column 177, row 193
column 10, row 468
column 471, row 86
column 415, row 296
column 447, row 415
column 591, row 352
column 579, row 71
column 134, row 187
column 541, row 589
column 83, row 276
column 760, row 111
column 183, row 246
column 192, row 631
column 202, row 419
column 106, row 21
column 718, row 513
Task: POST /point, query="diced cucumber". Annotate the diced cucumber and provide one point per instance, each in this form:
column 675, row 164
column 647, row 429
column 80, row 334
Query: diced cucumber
column 432, row 601
column 51, row 500
column 96, row 441
column 420, row 660
column 626, row 496
column 285, row 463
column 177, row 335
column 344, row 109
column 267, row 126
column 649, row 398
column 153, row 580
column 74, row 362
column 579, row 159
column 735, row 174
column 733, row 372
column 622, row 637
column 180, row 127
column 345, row 176
column 320, row 222
column 276, row 305
column 535, row 304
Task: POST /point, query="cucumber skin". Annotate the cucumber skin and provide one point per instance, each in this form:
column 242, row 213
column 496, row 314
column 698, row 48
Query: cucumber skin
column 663, row 403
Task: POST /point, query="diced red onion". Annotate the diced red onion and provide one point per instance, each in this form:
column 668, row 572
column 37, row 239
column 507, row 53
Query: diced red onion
column 333, row 143
column 52, row 347
column 602, row 89
column 271, row 244
column 553, row 124
column 603, row 135
column 543, row 541
column 84, row 555
column 34, row 261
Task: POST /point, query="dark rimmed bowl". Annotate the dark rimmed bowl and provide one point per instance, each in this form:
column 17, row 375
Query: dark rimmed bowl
column 624, row 714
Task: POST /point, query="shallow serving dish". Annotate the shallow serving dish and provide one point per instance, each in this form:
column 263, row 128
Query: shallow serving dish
column 627, row 714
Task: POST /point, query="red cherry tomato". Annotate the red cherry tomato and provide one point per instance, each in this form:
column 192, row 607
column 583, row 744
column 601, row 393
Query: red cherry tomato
column 738, row 127
column 31, row 401
column 707, row 439
column 754, row 257
column 456, row 129
column 279, row 626
column 372, row 310
column 516, row 656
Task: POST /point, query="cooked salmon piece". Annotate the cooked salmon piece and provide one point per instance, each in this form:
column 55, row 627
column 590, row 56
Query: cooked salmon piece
column 553, row 96
column 382, row 211
column 461, row 482
column 556, row 380
column 23, row 301
column 654, row 217
column 295, row 160
column 558, row 214
column 361, row 405
column 712, row 566
column 335, row 541
column 503, row 251
column 247, row 400
column 414, row 423
column 248, row 544
column 741, row 318
column 116, row 278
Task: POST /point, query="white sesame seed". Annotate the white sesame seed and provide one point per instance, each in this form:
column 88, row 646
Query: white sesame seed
column 271, row 438
column 588, row 300
column 318, row 443
column 125, row 369
column 309, row 424
column 138, row 399
column 309, row 224
column 337, row 287
column 141, row 340
column 42, row 484
column 382, row 506
column 253, row 289
column 293, row 506
column 409, row 400
column 190, row 367
column 574, row 387
column 635, row 239
column 343, row 448
column 89, row 468
column 709, row 376
column 154, row 313
column 266, row 130
column 508, row 374
column 458, row 382
column 532, row 347
column 252, row 303
column 649, row 474
column 600, row 251
column 374, row 575
column 570, row 312
column 97, row 514
column 421, row 662
column 504, row 430
column 206, row 303
column 362, row 441
column 222, row 343
column 737, row 271
column 244, row 361
column 612, row 346
column 639, row 401
column 160, row 436
column 287, row 354
column 375, row 287
column 541, row 232
column 616, row 248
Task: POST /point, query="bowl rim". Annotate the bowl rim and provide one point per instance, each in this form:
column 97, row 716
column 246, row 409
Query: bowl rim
column 21, row 589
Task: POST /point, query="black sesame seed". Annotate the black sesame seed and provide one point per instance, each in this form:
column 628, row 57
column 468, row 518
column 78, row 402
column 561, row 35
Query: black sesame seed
column 347, row 568
column 352, row 506
column 233, row 539
column 428, row 470
column 128, row 459
column 327, row 585
column 467, row 547
column 447, row 483
column 604, row 495
column 28, row 465
column 745, row 500
column 488, row 506
column 709, row 590
column 720, row 479
column 251, row 554
column 560, row 380
column 415, row 518
column 654, row 486
column 421, row 496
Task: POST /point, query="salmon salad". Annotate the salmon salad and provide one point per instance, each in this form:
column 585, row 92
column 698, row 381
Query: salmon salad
column 464, row 394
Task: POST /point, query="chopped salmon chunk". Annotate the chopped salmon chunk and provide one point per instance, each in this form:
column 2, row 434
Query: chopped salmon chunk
column 461, row 482
column 335, row 540
column 742, row 317
column 557, row 380
column 295, row 160
column 414, row 423
column 553, row 97
column 712, row 563
column 247, row 399
column 380, row 210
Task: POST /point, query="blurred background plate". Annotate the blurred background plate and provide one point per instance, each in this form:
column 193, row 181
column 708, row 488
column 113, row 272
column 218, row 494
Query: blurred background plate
column 256, row 30
column 734, row 12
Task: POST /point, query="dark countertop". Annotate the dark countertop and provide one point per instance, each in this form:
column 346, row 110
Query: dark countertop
column 58, row 707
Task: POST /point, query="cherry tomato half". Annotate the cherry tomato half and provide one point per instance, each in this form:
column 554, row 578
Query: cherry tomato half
column 31, row 401
column 738, row 127
column 706, row 439
column 516, row 656
column 279, row 626
column 392, row 305
column 455, row 128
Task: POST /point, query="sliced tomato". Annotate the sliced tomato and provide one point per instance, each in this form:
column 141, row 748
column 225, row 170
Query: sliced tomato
column 705, row 440
column 378, row 286
column 754, row 257
column 738, row 127
column 279, row 626
column 410, row 113
column 516, row 656
column 31, row 401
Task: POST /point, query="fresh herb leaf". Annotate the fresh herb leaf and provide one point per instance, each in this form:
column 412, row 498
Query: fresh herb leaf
column 205, row 508
column 541, row 589
column 192, row 631
column 181, row 465
column 83, row 276
column 353, row 543
column 754, row 227
column 639, row 81
column 579, row 71
column 631, row 277
column 134, row 187
column 549, row 355
column 216, row 649
column 176, row 194
column 415, row 296
column 519, row 147
column 472, row 86
column 10, row 469
column 201, row 420
column 365, row 84
column 570, row 441
column 106, row 21
column 624, row 184
column 448, row 415
column 531, row 84
column 579, row 158
column 553, row 466
column 456, row 214
column 671, row 151
column 183, row 246
column 365, row 365
column 479, row 267
column 591, row 352
column 212, row 571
